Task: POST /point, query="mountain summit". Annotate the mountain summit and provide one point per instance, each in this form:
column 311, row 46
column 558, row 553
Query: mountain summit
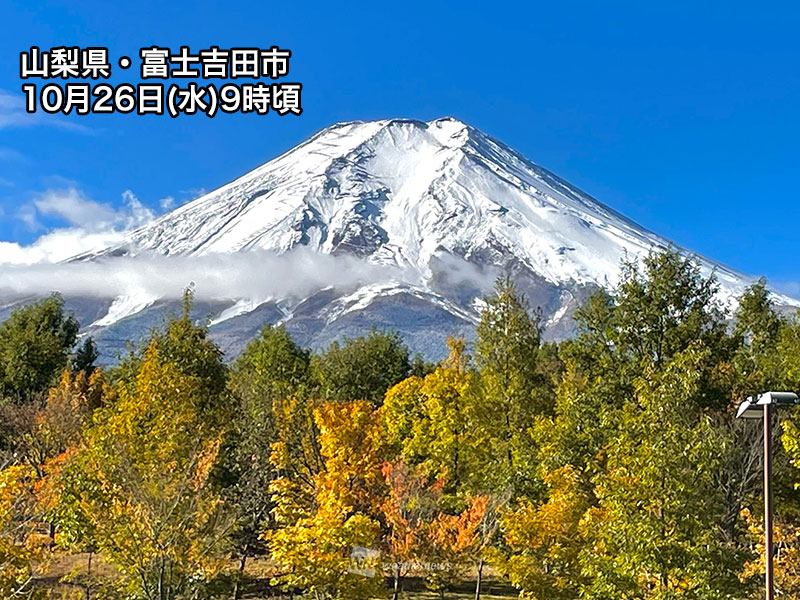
column 444, row 207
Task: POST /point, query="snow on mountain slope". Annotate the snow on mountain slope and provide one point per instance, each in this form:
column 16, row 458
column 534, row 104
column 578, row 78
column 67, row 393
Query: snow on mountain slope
column 444, row 204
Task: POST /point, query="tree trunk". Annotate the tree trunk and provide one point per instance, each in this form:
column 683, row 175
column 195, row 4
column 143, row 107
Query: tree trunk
column 237, row 585
column 89, row 574
column 396, row 590
column 479, row 580
column 160, row 590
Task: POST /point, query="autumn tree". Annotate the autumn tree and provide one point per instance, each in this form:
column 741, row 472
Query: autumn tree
column 408, row 501
column 427, row 420
column 145, row 487
column 544, row 541
column 21, row 546
column 786, row 553
column 435, row 509
column 270, row 371
column 452, row 543
column 39, row 431
column 314, row 543
column 786, row 529
column 68, row 410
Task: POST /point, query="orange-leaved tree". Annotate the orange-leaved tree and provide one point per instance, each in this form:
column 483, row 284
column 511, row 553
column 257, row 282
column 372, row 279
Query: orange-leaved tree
column 315, row 541
column 21, row 546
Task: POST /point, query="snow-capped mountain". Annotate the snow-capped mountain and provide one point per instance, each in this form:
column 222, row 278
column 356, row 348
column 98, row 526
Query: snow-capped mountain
column 441, row 206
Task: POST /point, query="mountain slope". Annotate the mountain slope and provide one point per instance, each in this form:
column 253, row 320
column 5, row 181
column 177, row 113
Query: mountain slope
column 440, row 206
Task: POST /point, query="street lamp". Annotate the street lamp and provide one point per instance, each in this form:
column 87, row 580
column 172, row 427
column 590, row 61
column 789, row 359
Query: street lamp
column 751, row 409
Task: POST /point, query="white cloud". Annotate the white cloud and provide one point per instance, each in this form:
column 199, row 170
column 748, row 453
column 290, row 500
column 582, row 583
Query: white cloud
column 167, row 203
column 75, row 208
column 137, row 214
column 27, row 214
column 12, row 114
column 92, row 226
column 253, row 275
column 58, row 245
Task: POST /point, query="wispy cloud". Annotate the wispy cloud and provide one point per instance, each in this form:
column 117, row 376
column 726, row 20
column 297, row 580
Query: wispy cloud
column 57, row 245
column 12, row 114
column 193, row 193
column 90, row 225
column 27, row 214
column 253, row 275
column 75, row 208
column 137, row 214
column 10, row 154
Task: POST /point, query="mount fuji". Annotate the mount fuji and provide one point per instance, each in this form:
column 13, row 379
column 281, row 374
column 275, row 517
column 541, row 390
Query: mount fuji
column 408, row 224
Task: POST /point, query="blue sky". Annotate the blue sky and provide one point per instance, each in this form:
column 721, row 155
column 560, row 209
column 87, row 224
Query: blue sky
column 683, row 117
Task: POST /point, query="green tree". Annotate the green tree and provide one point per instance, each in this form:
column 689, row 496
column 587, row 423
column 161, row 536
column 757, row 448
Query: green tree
column 271, row 369
column 272, row 365
column 788, row 358
column 511, row 391
column 185, row 344
column 362, row 368
column 661, row 306
column 655, row 531
column 640, row 424
column 85, row 356
column 662, row 309
column 35, row 343
column 756, row 332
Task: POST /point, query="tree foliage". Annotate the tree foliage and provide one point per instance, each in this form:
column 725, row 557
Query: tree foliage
column 362, row 368
column 145, row 484
column 21, row 547
column 512, row 389
column 604, row 466
column 314, row 543
column 35, row 344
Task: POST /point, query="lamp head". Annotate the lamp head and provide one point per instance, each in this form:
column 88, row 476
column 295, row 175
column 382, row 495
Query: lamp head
column 749, row 410
column 781, row 398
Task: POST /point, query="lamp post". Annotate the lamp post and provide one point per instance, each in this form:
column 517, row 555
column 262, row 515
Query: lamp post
column 752, row 409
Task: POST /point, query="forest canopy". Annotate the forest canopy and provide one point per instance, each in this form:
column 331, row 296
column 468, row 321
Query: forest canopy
column 605, row 466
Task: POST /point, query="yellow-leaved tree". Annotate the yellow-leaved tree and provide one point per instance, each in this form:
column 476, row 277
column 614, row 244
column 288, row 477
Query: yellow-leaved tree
column 315, row 543
column 141, row 482
column 21, row 545
column 544, row 540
